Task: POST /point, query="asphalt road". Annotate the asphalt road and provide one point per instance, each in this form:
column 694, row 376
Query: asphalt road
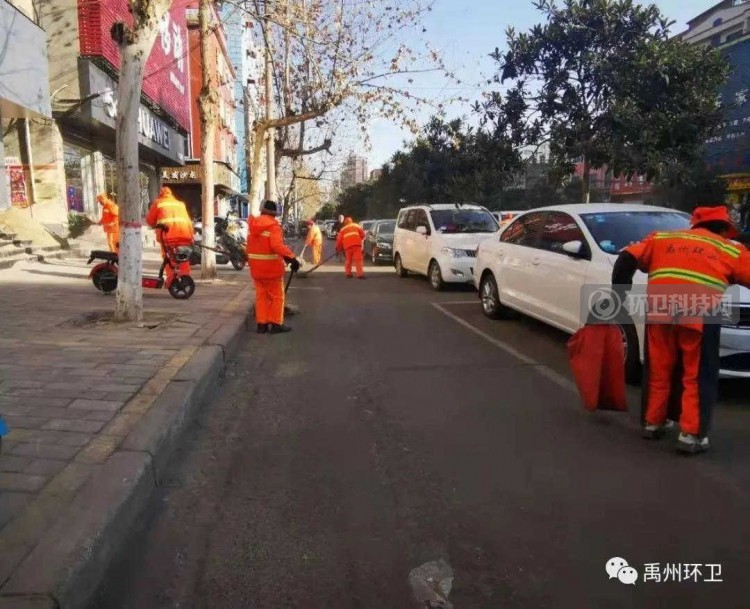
column 396, row 426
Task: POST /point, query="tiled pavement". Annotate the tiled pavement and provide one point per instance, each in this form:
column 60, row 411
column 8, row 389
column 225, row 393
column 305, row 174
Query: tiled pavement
column 73, row 384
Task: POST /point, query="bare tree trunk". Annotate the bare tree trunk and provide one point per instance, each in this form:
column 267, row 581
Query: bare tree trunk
column 271, row 193
column 135, row 48
column 259, row 134
column 207, row 103
column 586, row 181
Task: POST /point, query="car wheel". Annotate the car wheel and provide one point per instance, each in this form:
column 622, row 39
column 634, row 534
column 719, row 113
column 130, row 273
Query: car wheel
column 400, row 270
column 490, row 297
column 633, row 367
column 436, row 277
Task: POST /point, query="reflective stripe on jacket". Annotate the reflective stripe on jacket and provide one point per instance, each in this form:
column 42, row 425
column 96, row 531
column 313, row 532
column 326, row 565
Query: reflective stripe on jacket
column 171, row 213
column 692, row 257
column 266, row 249
column 350, row 235
column 687, row 268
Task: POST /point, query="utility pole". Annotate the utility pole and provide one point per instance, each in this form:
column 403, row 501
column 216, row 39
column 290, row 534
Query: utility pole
column 271, row 134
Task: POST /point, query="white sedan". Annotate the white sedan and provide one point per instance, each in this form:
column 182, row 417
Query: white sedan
column 540, row 262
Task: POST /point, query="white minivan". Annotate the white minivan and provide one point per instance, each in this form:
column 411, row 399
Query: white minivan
column 441, row 241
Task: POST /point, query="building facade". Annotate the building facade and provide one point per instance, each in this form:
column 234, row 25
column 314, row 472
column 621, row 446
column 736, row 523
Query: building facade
column 186, row 182
column 726, row 27
column 24, row 106
column 83, row 79
column 245, row 57
column 354, row 171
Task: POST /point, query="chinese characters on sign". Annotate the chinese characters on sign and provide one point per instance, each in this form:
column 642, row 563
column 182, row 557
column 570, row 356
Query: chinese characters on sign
column 168, row 174
column 172, row 43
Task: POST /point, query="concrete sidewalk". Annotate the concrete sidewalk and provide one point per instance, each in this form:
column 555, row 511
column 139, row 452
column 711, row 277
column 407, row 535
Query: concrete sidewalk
column 95, row 409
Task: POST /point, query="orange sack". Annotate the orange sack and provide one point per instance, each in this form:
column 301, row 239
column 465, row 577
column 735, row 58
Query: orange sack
column 597, row 359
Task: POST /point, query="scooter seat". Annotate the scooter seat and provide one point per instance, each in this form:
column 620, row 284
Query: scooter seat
column 104, row 255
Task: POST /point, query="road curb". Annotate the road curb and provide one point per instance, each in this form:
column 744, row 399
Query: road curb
column 65, row 568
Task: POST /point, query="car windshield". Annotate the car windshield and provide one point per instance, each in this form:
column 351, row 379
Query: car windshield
column 613, row 231
column 463, row 221
column 386, row 228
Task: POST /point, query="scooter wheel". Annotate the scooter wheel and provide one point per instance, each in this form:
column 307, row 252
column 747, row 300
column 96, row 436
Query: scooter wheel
column 105, row 280
column 238, row 263
column 182, row 287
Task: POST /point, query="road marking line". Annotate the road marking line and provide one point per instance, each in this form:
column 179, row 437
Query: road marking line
column 542, row 369
column 294, row 287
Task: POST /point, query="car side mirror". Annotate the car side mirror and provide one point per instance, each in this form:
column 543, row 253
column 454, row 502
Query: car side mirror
column 573, row 248
column 422, row 230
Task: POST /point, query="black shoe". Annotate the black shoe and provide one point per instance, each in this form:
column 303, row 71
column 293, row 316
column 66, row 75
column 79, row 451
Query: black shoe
column 262, row 328
column 277, row 329
column 361, row 277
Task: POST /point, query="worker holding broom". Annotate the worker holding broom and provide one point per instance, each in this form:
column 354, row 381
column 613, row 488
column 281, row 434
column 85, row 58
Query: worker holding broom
column 684, row 266
column 268, row 254
column 110, row 221
column 315, row 242
column 349, row 240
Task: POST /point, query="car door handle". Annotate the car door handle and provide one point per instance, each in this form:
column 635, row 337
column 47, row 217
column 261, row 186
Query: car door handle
column 536, row 261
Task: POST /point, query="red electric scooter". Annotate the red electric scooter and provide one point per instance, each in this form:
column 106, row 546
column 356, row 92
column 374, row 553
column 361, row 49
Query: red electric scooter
column 104, row 274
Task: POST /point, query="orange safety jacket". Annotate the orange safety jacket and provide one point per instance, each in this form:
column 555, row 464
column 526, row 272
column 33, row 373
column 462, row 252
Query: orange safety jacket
column 110, row 216
column 266, row 249
column 314, row 236
column 172, row 213
column 350, row 235
column 702, row 261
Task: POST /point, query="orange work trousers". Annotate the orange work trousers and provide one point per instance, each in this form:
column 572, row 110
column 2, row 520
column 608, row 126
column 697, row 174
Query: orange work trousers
column 269, row 301
column 184, row 267
column 354, row 255
column 113, row 239
column 666, row 344
column 317, row 253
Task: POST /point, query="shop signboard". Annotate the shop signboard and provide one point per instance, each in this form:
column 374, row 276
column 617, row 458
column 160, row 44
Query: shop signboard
column 166, row 80
column 154, row 132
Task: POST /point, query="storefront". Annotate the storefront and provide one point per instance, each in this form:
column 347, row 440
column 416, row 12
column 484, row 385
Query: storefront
column 89, row 144
column 187, row 184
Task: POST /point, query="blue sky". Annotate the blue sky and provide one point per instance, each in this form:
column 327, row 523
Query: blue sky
column 466, row 31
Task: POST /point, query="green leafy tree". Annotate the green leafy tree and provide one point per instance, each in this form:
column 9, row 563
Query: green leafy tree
column 327, row 212
column 602, row 82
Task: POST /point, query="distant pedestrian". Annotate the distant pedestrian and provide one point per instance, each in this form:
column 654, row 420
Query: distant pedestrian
column 315, row 241
column 684, row 266
column 110, row 222
column 350, row 240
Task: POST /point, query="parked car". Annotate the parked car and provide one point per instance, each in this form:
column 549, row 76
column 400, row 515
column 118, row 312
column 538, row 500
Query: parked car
column 379, row 241
column 440, row 241
column 366, row 226
column 540, row 262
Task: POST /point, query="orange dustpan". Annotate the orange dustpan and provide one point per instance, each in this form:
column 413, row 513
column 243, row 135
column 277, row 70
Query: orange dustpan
column 597, row 359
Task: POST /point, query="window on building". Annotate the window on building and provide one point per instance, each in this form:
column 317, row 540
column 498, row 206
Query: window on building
column 735, row 35
column 718, row 22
